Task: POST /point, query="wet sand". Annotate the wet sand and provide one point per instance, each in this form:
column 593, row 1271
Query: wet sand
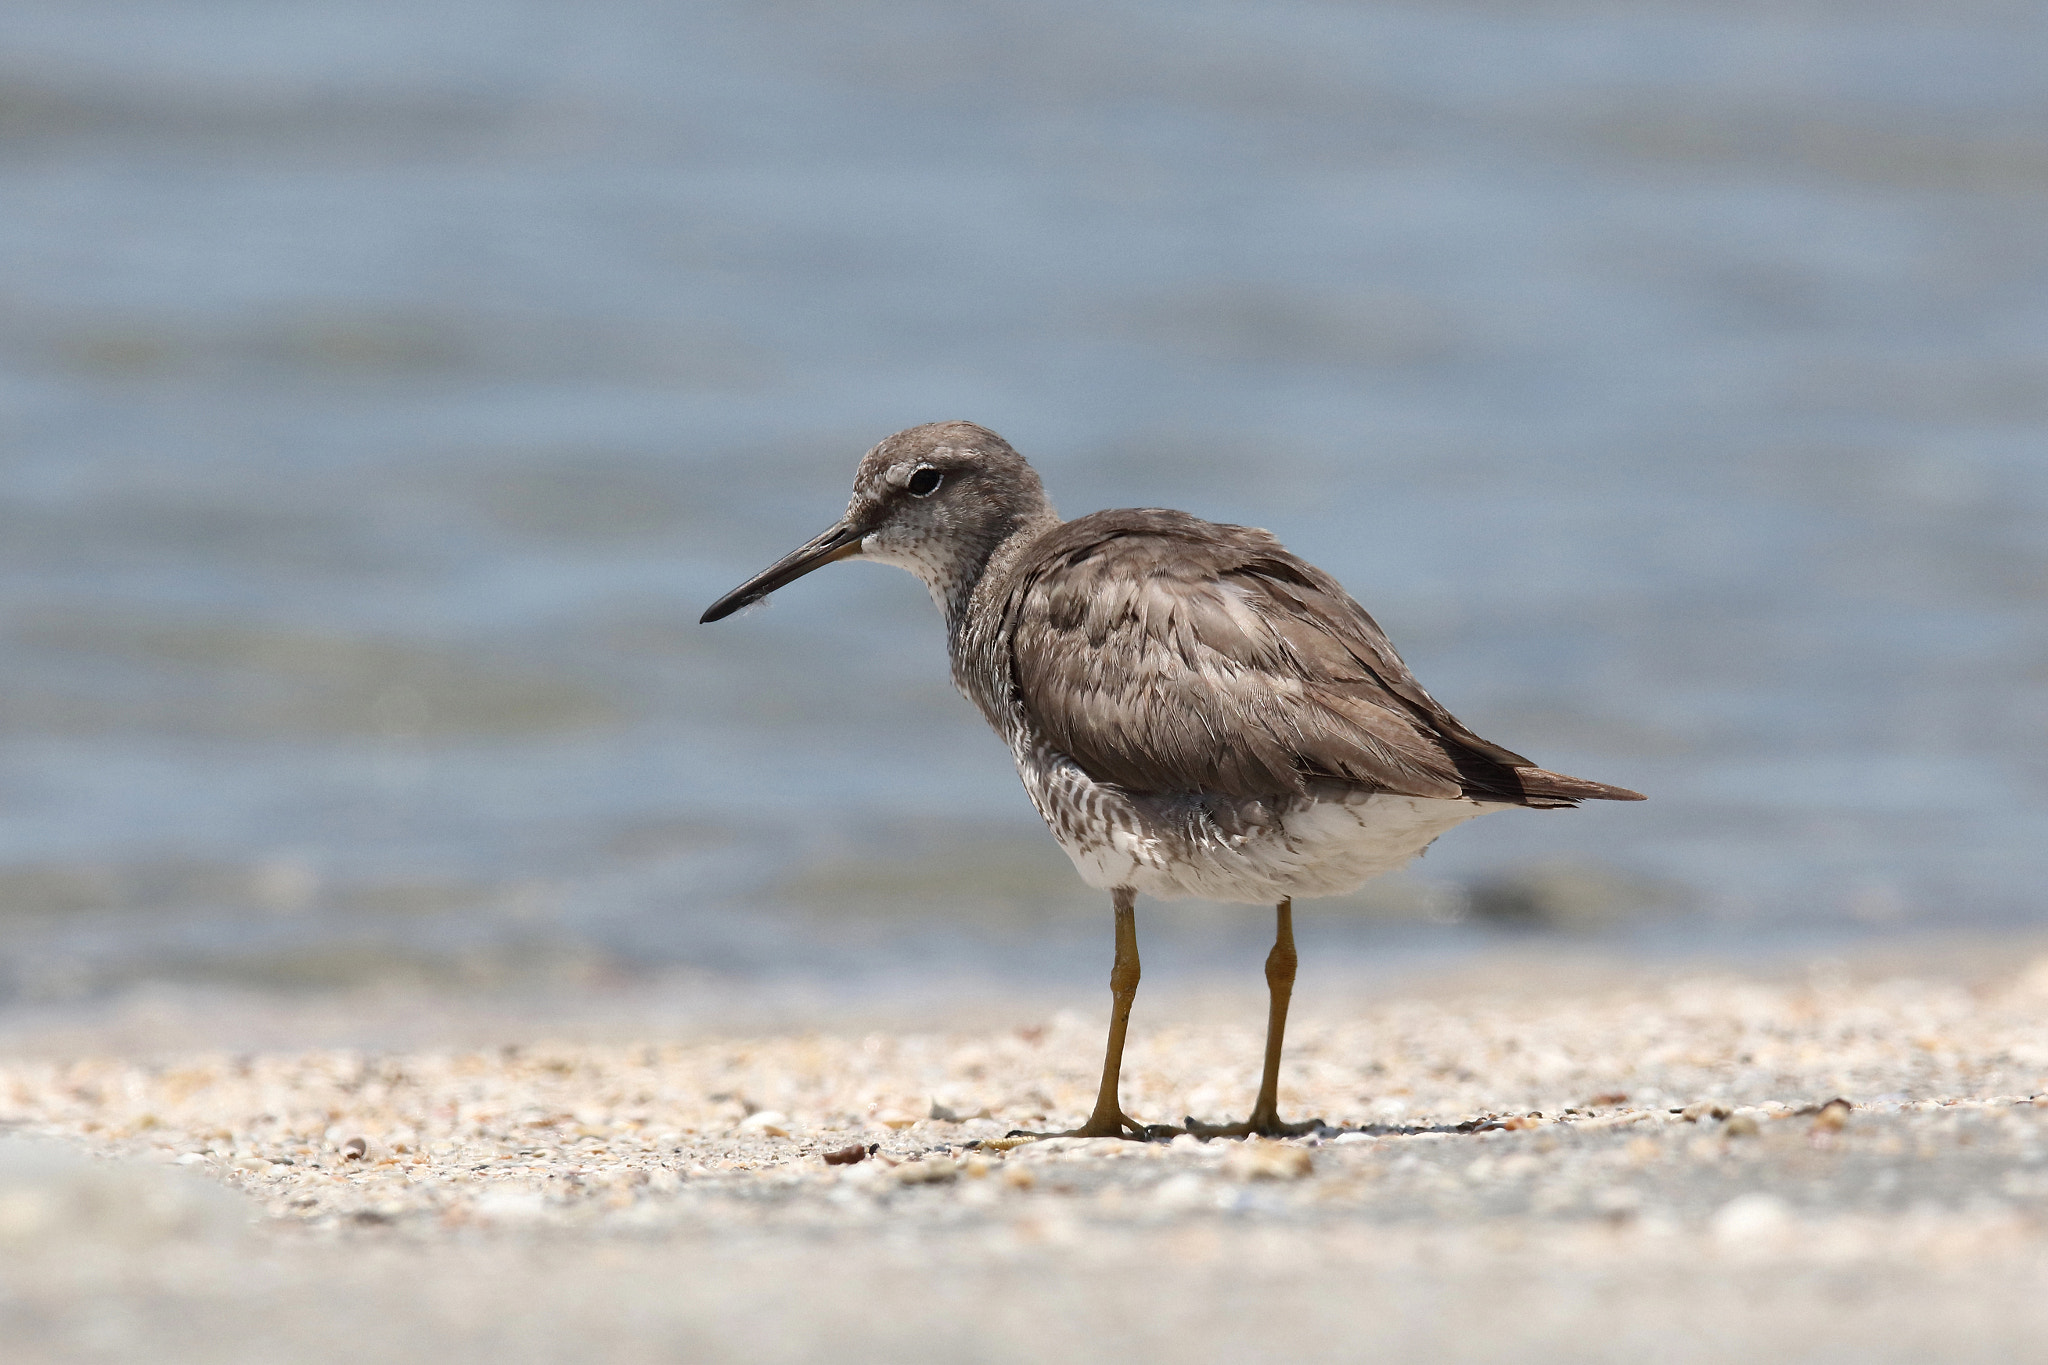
column 1541, row 1157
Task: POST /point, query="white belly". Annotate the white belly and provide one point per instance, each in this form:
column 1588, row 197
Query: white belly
column 1255, row 851
column 1315, row 848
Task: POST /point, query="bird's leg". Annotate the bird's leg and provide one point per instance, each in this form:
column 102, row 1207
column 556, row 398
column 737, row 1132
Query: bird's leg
column 1265, row 1120
column 1280, row 963
column 1109, row 1119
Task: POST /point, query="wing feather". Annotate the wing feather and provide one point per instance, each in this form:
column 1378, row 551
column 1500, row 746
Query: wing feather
column 1165, row 653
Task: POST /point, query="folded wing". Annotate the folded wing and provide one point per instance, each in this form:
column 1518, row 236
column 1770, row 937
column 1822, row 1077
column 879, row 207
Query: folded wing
column 1165, row 653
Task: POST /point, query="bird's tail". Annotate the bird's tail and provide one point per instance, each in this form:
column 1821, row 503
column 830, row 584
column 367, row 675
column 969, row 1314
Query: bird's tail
column 1545, row 789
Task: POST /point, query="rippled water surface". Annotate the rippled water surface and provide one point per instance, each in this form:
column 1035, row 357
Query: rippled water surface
column 384, row 388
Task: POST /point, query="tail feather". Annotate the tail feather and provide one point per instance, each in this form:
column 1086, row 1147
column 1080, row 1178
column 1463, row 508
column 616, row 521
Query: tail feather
column 1525, row 784
column 1543, row 788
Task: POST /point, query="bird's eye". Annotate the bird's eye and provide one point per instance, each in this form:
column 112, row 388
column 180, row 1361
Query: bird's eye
column 925, row 482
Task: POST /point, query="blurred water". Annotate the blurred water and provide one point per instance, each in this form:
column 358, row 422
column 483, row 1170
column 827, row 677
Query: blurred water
column 385, row 387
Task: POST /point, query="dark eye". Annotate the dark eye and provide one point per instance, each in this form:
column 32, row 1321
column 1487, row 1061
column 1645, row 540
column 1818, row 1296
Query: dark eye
column 925, row 482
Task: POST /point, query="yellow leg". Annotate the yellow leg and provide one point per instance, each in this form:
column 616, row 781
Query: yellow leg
column 1265, row 1120
column 1109, row 1119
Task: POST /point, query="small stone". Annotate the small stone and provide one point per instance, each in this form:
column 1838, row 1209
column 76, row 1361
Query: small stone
column 866, row 1173
column 934, row 1171
column 764, row 1123
column 942, row 1114
column 895, row 1119
column 848, row 1155
column 1705, row 1109
column 1257, row 1160
column 1742, row 1125
column 1832, row 1117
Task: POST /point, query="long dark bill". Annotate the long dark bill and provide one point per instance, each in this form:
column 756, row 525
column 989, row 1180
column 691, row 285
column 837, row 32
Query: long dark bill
column 839, row 542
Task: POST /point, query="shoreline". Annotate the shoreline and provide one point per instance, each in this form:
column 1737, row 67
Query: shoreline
column 1686, row 1156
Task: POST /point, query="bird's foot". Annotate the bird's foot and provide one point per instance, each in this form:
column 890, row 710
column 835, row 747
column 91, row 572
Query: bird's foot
column 1115, row 1124
column 1266, row 1125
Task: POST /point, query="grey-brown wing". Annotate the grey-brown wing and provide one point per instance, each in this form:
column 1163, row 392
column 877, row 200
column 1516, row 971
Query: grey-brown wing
column 1164, row 653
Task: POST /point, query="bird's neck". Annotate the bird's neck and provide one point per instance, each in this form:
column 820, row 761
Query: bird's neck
column 974, row 617
column 952, row 584
column 992, row 561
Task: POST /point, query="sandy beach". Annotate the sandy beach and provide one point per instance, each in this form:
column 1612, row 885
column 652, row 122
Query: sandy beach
column 1538, row 1157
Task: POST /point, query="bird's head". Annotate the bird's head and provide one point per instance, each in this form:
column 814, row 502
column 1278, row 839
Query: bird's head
column 936, row 500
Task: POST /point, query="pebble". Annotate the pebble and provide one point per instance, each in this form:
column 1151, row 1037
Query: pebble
column 1832, row 1117
column 931, row 1171
column 964, row 1114
column 764, row 1123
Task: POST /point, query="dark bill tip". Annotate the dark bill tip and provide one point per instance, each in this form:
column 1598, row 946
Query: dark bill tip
column 839, row 542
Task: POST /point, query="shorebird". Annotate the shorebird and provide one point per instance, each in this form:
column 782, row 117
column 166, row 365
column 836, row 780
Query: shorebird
column 1194, row 711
